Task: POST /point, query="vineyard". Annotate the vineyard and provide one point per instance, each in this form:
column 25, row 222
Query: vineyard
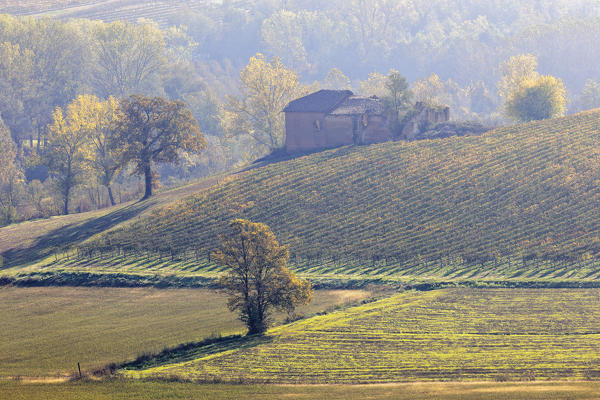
column 26, row 7
column 518, row 202
column 105, row 10
column 451, row 334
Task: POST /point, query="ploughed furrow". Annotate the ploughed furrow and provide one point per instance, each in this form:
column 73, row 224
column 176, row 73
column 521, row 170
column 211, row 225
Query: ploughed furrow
column 527, row 193
column 445, row 334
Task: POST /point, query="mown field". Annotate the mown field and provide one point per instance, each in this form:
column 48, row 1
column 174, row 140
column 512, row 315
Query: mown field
column 451, row 334
column 132, row 390
column 47, row 331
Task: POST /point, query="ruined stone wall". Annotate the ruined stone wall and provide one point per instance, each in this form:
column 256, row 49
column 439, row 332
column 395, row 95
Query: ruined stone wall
column 421, row 118
column 376, row 131
column 301, row 133
column 314, row 131
column 338, row 129
column 304, row 133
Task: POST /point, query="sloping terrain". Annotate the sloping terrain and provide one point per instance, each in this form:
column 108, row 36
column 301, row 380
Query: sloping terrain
column 48, row 330
column 104, row 10
column 32, row 240
column 519, row 201
column 451, row 334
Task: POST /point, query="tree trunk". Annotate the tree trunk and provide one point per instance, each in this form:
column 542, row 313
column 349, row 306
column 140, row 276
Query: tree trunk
column 68, row 183
column 110, row 195
column 148, row 181
column 67, row 191
column 19, row 144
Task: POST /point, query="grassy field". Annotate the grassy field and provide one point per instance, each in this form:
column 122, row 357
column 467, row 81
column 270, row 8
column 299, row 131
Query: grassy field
column 451, row 334
column 516, row 203
column 34, row 240
column 46, row 331
column 131, row 390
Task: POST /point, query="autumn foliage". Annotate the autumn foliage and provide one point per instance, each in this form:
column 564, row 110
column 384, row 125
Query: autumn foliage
column 257, row 279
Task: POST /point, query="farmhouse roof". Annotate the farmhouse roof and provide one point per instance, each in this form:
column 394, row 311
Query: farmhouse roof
column 322, row 101
column 359, row 105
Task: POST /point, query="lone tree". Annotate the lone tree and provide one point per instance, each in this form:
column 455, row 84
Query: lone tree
column 154, row 130
column 536, row 99
column 258, row 280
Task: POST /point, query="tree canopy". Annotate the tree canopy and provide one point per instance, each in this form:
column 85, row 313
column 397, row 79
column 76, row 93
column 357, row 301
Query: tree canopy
column 68, row 148
column 129, row 58
column 10, row 177
column 154, row 130
column 535, row 99
column 104, row 154
column 516, row 70
column 266, row 87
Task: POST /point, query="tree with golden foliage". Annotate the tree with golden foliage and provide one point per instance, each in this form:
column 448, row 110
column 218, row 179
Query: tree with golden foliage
column 68, row 149
column 104, row 158
column 154, row 130
column 266, row 87
column 536, row 99
column 516, row 70
column 258, row 280
column 96, row 120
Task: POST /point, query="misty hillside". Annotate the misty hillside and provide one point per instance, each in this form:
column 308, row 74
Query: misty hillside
column 526, row 191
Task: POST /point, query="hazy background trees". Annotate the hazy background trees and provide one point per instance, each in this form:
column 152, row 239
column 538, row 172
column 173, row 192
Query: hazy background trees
column 470, row 55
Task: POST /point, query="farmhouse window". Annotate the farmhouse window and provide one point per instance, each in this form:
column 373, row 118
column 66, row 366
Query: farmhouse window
column 365, row 120
column 317, row 125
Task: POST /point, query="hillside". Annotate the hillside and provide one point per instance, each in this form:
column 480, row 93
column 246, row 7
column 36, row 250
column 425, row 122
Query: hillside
column 104, row 10
column 504, row 334
column 518, row 203
column 525, row 195
column 29, row 241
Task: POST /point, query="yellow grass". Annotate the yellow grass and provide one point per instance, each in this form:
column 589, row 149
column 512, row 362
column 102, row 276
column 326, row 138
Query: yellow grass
column 46, row 331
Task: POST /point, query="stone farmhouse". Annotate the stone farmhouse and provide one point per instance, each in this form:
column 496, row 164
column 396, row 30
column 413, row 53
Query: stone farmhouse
column 332, row 118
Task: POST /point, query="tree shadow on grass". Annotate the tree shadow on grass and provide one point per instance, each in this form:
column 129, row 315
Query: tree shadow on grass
column 77, row 232
column 196, row 350
column 71, row 234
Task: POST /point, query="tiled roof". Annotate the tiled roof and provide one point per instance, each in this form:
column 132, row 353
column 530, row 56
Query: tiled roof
column 359, row 105
column 322, row 101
